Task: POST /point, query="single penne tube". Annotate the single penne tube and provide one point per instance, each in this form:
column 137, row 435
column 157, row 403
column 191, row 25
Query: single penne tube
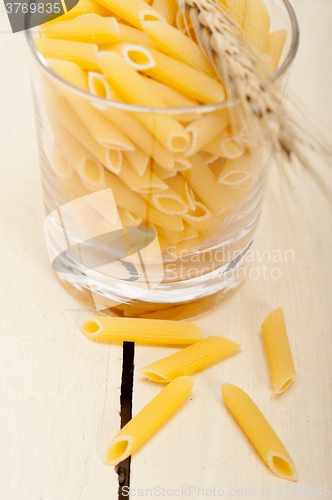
column 133, row 202
column 163, row 173
column 152, row 332
column 57, row 106
column 135, row 12
column 97, row 85
column 135, row 90
column 91, row 172
column 201, row 219
column 189, row 360
column 167, row 8
column 204, row 130
column 69, row 71
column 185, row 79
column 139, row 160
column 278, row 351
column 259, row 432
column 128, row 219
column 177, row 45
column 60, row 163
column 187, row 247
column 257, row 24
column 137, row 56
column 140, row 428
column 226, row 145
column 275, row 45
column 81, row 53
column 169, row 202
column 149, row 182
column 74, row 188
column 182, row 188
column 169, row 96
column 89, row 28
column 239, row 192
column 240, row 171
column 209, row 157
column 129, row 34
column 188, row 233
column 82, row 7
column 205, row 184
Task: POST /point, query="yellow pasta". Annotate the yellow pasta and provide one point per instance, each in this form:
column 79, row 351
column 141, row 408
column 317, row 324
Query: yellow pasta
column 278, row 351
column 204, row 130
column 146, row 183
column 81, row 53
column 98, row 85
column 190, row 360
column 237, row 11
column 131, row 35
column 178, row 46
column 226, row 145
column 139, row 160
column 238, row 192
column 240, row 171
column 259, row 432
column 167, row 8
column 138, row 430
column 169, row 96
column 182, row 188
column 169, row 202
column 58, row 107
column 152, row 332
column 135, row 55
column 82, row 7
column 135, row 12
column 205, row 184
column 203, row 221
column 89, row 28
column 60, row 163
column 162, row 173
column 275, row 46
column 135, row 90
column 257, row 24
column 188, row 233
column 185, row 79
column 133, row 202
column 128, row 219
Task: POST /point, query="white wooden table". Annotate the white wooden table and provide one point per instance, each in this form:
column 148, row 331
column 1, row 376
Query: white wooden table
column 60, row 393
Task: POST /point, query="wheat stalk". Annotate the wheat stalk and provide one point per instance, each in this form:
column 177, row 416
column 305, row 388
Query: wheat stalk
column 247, row 82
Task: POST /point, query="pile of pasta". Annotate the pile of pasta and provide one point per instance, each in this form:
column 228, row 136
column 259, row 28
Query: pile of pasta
column 170, row 163
column 174, row 370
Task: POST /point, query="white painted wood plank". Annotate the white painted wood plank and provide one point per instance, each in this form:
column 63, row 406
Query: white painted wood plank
column 202, row 446
column 60, row 393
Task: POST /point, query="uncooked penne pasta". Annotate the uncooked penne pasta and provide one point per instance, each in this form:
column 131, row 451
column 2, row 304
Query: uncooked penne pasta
column 146, row 183
column 238, row 192
column 129, row 34
column 89, row 28
column 58, row 107
column 60, row 163
column 81, row 53
column 134, row 89
column 169, row 202
column 240, row 171
column 278, row 351
column 177, row 45
column 188, row 233
column 185, row 79
column 182, row 188
column 97, row 85
column 275, row 45
column 131, row 201
column 259, row 432
column 257, row 24
column 226, row 145
column 140, row 428
column 204, row 184
column 169, row 96
column 135, row 55
column 203, row 221
column 162, row 173
column 135, row 12
column 204, row 130
column 139, row 160
column 152, row 332
column 167, row 8
column 128, row 219
column 190, row 360
column 82, row 7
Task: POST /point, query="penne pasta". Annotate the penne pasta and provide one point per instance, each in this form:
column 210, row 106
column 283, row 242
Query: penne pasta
column 259, row 432
column 82, row 7
column 185, row 79
column 133, row 202
column 60, row 163
column 240, row 171
column 162, row 173
column 188, row 233
column 128, row 219
column 189, row 360
column 81, row 53
column 134, row 89
column 135, row 12
column 89, row 28
column 204, row 130
column 182, row 188
column 129, row 34
column 169, row 96
column 140, row 428
column 226, row 145
column 257, row 24
column 238, row 192
column 203, row 221
column 278, row 351
column 169, row 202
column 97, row 85
column 139, row 160
column 69, row 71
column 146, row 183
column 136, row 56
column 205, row 184
column 275, row 45
column 167, row 8
column 177, row 45
column 151, row 332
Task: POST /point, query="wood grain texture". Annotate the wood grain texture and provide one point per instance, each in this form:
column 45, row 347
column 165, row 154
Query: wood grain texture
column 60, row 392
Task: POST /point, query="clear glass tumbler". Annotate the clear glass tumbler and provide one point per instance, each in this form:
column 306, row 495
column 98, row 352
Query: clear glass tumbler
column 137, row 223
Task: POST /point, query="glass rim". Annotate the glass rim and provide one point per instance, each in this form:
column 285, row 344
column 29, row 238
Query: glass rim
column 101, row 102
